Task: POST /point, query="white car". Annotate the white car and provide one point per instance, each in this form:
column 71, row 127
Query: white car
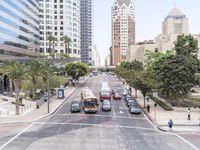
column 125, row 92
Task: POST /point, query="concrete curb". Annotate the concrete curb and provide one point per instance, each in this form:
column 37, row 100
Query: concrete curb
column 55, row 109
column 52, row 112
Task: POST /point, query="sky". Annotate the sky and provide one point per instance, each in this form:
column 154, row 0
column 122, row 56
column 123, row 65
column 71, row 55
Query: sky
column 149, row 15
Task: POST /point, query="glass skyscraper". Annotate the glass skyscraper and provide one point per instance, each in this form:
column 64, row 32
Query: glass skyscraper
column 19, row 29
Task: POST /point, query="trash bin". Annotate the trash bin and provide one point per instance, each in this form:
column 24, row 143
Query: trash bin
column 61, row 93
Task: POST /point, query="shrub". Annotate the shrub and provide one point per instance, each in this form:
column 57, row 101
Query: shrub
column 162, row 104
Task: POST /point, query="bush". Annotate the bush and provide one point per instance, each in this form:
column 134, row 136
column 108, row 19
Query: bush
column 162, row 104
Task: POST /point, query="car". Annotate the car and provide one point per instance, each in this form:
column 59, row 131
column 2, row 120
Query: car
column 106, row 105
column 130, row 102
column 134, row 109
column 75, row 106
column 117, row 95
column 105, row 95
column 114, row 91
column 125, row 92
column 128, row 97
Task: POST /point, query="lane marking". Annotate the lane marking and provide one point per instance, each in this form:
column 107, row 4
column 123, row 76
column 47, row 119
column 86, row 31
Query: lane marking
column 186, row 141
column 93, row 115
column 16, row 136
column 114, row 111
column 96, row 125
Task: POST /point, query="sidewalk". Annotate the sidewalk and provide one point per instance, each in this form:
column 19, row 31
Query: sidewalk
column 42, row 111
column 160, row 117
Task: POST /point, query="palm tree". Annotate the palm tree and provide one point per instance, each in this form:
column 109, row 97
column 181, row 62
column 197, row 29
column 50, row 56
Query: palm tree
column 16, row 72
column 34, row 71
column 67, row 40
column 51, row 39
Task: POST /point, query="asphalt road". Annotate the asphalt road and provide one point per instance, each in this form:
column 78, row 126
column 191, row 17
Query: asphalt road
column 115, row 130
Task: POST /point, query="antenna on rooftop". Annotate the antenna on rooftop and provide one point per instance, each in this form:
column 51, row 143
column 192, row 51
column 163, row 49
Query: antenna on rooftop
column 174, row 4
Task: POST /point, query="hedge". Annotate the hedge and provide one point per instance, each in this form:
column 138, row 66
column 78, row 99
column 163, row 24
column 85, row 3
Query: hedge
column 162, row 104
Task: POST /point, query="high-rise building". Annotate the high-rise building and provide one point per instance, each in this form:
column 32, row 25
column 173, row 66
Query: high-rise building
column 60, row 18
column 96, row 61
column 175, row 23
column 86, row 31
column 123, row 29
column 19, row 29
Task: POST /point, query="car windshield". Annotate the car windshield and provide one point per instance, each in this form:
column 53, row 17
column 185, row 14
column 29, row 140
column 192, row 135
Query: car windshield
column 105, row 94
column 106, row 103
column 75, row 104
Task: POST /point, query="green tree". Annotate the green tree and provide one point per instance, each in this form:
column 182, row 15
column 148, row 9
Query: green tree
column 76, row 69
column 145, row 82
column 177, row 75
column 35, row 70
column 51, row 40
column 16, row 72
column 67, row 40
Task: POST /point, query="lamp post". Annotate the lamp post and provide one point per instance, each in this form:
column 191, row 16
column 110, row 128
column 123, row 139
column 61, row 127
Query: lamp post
column 155, row 105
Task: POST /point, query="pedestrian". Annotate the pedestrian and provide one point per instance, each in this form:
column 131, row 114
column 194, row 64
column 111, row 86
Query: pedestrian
column 130, row 90
column 170, row 124
column 148, row 108
column 189, row 115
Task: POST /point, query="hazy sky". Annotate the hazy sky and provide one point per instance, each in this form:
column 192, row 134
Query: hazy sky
column 149, row 15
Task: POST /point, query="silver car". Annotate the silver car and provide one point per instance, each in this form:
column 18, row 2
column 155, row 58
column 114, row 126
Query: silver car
column 106, row 105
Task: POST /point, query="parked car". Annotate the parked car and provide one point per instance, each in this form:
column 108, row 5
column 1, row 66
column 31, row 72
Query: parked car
column 130, row 102
column 125, row 92
column 128, row 97
column 114, row 91
column 75, row 106
column 106, row 105
column 117, row 95
column 134, row 109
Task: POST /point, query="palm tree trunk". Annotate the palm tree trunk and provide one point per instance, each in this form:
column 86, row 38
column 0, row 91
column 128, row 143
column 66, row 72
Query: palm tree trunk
column 11, row 87
column 34, row 88
column 68, row 49
column 17, row 83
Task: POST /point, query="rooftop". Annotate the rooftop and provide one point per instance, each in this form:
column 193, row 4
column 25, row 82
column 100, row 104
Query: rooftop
column 121, row 2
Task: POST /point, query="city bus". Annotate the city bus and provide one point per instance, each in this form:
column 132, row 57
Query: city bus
column 89, row 101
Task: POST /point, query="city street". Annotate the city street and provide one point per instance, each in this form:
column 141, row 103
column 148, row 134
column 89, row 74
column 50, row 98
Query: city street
column 114, row 130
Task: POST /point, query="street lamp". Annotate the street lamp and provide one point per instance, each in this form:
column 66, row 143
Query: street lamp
column 155, row 105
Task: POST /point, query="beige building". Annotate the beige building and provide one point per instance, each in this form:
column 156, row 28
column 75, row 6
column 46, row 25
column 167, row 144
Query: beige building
column 176, row 23
column 123, row 29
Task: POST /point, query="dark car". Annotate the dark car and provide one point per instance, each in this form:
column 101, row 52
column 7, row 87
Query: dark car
column 75, row 106
column 134, row 109
column 114, row 91
column 106, row 105
column 130, row 102
column 117, row 95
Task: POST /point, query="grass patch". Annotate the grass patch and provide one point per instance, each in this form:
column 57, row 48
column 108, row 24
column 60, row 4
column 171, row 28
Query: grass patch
column 162, row 104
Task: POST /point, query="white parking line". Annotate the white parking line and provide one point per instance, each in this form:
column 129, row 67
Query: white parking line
column 114, row 111
column 16, row 136
column 125, row 108
column 95, row 125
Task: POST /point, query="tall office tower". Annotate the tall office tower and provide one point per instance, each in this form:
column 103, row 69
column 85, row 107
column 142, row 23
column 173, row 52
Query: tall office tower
column 123, row 29
column 19, row 29
column 175, row 23
column 86, row 31
column 60, row 18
